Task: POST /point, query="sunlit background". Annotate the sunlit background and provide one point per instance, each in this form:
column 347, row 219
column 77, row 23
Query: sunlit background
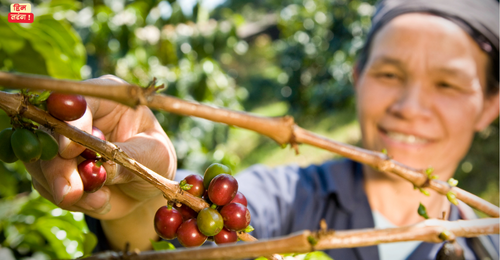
column 268, row 57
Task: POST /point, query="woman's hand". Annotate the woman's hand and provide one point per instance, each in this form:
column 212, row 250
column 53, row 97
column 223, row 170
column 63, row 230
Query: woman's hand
column 136, row 132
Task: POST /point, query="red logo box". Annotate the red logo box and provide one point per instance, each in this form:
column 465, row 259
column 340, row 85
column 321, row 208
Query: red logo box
column 21, row 17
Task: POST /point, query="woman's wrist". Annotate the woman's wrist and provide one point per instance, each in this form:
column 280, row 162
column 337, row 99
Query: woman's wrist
column 135, row 228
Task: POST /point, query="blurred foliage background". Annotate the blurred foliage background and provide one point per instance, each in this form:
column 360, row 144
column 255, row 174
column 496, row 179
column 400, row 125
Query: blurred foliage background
column 267, row 57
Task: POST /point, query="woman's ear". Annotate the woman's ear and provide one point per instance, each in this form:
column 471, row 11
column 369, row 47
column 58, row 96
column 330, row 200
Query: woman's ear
column 490, row 111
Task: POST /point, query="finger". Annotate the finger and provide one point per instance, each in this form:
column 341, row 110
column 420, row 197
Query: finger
column 69, row 149
column 96, row 202
column 86, row 205
column 63, row 180
column 36, row 173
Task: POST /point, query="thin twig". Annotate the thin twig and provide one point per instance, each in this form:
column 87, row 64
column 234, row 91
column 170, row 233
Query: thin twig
column 306, row 241
column 13, row 105
column 283, row 130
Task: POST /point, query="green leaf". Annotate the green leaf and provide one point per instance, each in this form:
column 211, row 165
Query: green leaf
column 8, row 182
column 452, row 197
column 184, row 185
column 422, row 211
column 28, row 60
column 317, row 255
column 452, row 182
column 89, row 243
column 162, row 245
column 249, row 229
column 424, row 191
column 42, row 97
column 313, row 241
column 57, row 43
column 446, row 235
column 10, row 41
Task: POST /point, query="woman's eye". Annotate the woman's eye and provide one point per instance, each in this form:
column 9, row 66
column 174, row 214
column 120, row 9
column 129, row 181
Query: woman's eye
column 444, row 85
column 388, row 75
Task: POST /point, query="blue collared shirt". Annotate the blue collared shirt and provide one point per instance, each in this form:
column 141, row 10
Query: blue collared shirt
column 287, row 199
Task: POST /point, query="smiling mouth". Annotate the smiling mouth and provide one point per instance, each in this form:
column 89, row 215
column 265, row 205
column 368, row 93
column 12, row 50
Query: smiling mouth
column 405, row 138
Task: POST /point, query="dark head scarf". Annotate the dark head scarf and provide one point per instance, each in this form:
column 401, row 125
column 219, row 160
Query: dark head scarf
column 479, row 18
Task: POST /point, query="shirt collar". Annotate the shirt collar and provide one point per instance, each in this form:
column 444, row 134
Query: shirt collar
column 345, row 181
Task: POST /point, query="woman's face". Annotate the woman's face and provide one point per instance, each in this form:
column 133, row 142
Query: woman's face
column 421, row 93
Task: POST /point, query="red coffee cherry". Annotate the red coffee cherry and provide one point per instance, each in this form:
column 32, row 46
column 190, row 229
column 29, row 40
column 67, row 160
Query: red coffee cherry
column 186, row 212
column 197, row 181
column 66, row 107
column 93, row 175
column 222, row 189
column 240, row 198
column 226, row 236
column 189, row 235
column 167, row 221
column 236, row 216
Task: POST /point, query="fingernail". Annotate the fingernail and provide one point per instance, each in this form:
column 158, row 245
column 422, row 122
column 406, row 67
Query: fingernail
column 60, row 189
column 98, row 201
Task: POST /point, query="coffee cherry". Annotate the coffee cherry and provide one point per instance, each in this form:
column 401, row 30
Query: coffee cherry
column 189, row 235
column 240, row 198
column 26, row 145
column 167, row 221
column 225, row 236
column 93, row 175
column 222, row 189
column 89, row 154
column 50, row 148
column 213, row 170
column 186, row 212
column 206, row 198
column 6, row 153
column 66, row 107
column 197, row 181
column 236, row 216
column 209, row 222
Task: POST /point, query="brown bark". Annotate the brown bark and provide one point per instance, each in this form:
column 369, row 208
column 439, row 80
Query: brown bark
column 14, row 104
column 282, row 130
column 428, row 231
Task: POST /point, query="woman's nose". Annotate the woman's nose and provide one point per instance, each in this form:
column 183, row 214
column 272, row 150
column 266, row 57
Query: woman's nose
column 412, row 102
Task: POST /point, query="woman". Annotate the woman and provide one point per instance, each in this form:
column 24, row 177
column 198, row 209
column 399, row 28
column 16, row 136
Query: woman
column 426, row 81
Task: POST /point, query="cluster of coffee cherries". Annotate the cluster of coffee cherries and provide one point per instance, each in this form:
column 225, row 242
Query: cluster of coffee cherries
column 220, row 222
column 29, row 144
